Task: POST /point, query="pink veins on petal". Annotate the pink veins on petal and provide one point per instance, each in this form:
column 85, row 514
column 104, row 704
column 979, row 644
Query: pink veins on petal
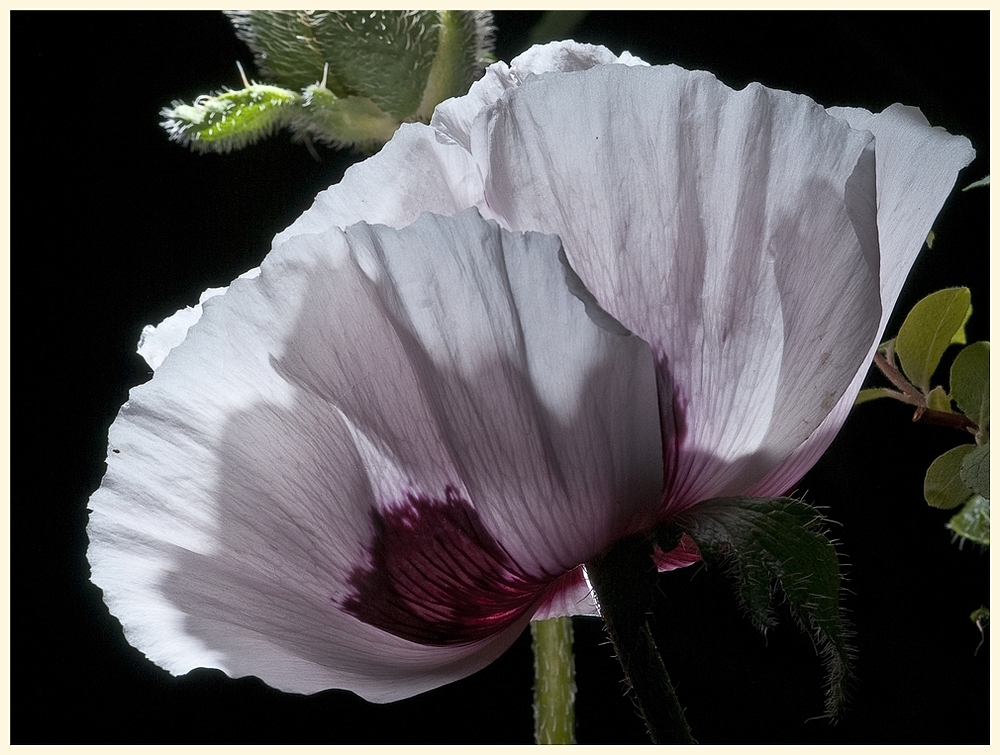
column 437, row 576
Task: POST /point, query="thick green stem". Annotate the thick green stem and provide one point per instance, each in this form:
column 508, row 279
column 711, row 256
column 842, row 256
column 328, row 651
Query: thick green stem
column 623, row 578
column 555, row 681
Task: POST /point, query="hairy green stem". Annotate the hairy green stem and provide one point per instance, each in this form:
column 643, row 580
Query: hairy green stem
column 555, row 681
column 623, row 578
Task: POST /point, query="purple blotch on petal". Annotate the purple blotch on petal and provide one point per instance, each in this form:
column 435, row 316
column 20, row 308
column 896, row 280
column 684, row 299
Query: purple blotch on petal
column 437, row 576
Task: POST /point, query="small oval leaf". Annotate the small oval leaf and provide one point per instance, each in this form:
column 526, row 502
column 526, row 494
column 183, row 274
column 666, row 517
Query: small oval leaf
column 927, row 332
column 943, row 484
column 970, row 383
column 976, row 470
column 938, row 400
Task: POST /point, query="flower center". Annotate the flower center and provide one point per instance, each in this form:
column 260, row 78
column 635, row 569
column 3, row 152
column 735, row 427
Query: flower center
column 437, row 576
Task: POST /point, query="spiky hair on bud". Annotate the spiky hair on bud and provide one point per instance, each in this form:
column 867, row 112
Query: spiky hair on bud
column 231, row 119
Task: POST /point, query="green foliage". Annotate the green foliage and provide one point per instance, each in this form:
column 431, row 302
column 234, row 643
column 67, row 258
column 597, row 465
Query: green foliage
column 938, row 400
column 339, row 77
column 976, row 470
column 960, row 476
column 981, row 616
column 779, row 543
column 928, row 330
column 970, row 385
column 870, row 394
column 944, row 487
column 973, row 521
column 976, row 184
column 959, row 337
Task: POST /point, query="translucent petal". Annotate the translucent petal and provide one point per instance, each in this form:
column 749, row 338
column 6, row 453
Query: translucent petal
column 368, row 385
column 735, row 231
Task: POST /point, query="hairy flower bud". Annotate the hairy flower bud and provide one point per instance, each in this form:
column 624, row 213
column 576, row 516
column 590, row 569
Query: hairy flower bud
column 339, row 77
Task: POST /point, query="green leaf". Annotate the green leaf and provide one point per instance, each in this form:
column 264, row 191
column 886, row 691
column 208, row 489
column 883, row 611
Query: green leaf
column 970, row 384
column 977, row 184
column 981, row 616
column 928, row 330
column 976, row 470
column 767, row 543
column 930, row 239
column 973, row 521
column 232, row 119
column 943, row 484
column 959, row 337
column 870, row 394
column 938, row 400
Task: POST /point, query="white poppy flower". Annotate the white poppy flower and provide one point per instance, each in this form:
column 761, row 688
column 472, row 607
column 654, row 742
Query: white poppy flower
column 756, row 240
column 442, row 389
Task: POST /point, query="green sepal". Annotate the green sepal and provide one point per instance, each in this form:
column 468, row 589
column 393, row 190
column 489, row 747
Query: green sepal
column 465, row 39
column 345, row 120
column 767, row 543
column 382, row 55
column 970, row 385
column 870, row 394
column 388, row 57
column 928, row 330
column 976, row 470
column 944, row 487
column 232, row 119
column 973, row 521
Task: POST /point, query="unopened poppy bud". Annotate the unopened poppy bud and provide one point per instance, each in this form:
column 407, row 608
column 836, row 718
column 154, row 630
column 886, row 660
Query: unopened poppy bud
column 338, row 77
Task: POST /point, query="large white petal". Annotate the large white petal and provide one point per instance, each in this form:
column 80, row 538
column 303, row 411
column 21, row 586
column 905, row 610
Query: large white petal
column 454, row 118
column 156, row 341
column 916, row 170
column 435, row 401
column 429, row 168
column 631, row 171
column 735, row 231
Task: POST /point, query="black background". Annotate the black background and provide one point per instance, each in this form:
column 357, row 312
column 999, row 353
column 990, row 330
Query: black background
column 114, row 227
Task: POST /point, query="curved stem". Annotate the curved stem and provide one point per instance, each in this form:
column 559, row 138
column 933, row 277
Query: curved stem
column 623, row 578
column 555, row 681
column 911, row 395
